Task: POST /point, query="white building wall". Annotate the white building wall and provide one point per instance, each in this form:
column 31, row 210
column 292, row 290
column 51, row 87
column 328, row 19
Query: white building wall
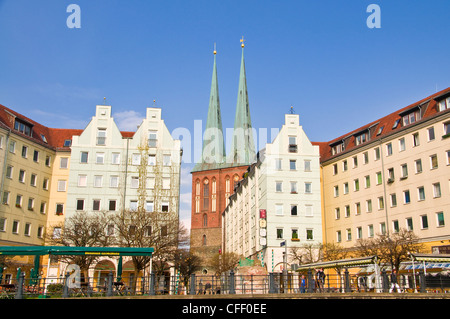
column 259, row 191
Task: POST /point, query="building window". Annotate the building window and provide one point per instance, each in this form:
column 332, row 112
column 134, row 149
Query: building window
column 404, row 171
column 134, row 182
column 166, row 160
column 115, row 158
column 67, row 143
column 82, row 180
column 434, row 161
column 347, row 210
column 418, row 166
column 335, row 169
column 278, row 187
column 19, row 201
column 338, row 236
column 337, row 213
column 36, row 156
column 369, row 205
column 411, row 118
column 279, row 209
column 165, row 207
column 22, row 176
column 80, row 204
column 151, row 160
column 380, row 202
column 365, row 157
column 356, row 184
column 59, row 209
column 431, row 135
column 292, row 144
column 395, row 226
column 393, row 200
column 112, row 204
column 308, row 188
column 421, row 193
column 406, row 197
column 359, row 233
column 401, row 144
column 409, row 224
column 357, row 208
column 152, row 138
column 309, row 234
column 84, row 157
column 45, row 184
column 377, row 153
column 383, row 228
column 31, row 204
column 101, row 136
column 349, row 234
column 416, row 141
column 345, row 188
column 62, row 185
column 336, row 191
column 205, row 194
column 293, row 210
column 22, row 127
column 379, row 178
column 359, row 139
column 98, row 181
column 64, row 162
column 388, row 149
column 370, row 231
column 355, row 161
column 436, row 190
column 293, row 187
column 424, row 221
column 440, row 219
column 133, row 205
column 444, row 104
column 292, row 165
column 205, row 220
column 100, row 158
column 15, row 227
column 96, row 204
column 43, row 208
column 149, row 206
column 136, row 159
column 279, row 233
column 367, row 181
column 307, row 165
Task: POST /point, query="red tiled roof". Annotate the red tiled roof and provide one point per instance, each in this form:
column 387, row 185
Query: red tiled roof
column 429, row 107
column 55, row 137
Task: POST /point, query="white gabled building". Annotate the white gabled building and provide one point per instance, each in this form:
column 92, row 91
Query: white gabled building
column 105, row 163
column 278, row 200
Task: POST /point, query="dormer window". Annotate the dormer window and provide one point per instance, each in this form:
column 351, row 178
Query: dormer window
column 380, row 130
column 338, row 148
column 411, row 117
column 397, row 122
column 361, row 138
column 67, row 143
column 444, row 104
column 44, row 138
column 22, row 127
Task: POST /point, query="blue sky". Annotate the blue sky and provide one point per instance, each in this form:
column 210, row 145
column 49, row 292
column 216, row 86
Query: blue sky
column 318, row 56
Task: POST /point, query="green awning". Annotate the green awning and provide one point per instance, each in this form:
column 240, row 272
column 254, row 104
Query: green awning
column 353, row 262
column 66, row 250
column 431, row 257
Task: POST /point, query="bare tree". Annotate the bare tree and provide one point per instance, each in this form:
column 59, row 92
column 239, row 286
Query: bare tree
column 391, row 250
column 223, row 262
column 306, row 253
column 81, row 230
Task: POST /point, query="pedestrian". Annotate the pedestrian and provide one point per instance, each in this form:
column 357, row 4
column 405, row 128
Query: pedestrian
column 320, row 278
column 394, row 283
column 302, row 284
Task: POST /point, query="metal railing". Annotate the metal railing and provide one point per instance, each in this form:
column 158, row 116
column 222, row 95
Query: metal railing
column 230, row 283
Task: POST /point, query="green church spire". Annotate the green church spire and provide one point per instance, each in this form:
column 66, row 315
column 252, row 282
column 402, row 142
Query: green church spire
column 213, row 150
column 243, row 146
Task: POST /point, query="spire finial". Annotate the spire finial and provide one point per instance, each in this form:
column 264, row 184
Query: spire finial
column 292, row 109
column 104, row 101
column 215, row 52
column 242, row 41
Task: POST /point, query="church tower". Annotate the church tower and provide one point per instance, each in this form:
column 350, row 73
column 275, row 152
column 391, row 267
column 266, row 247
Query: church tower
column 216, row 174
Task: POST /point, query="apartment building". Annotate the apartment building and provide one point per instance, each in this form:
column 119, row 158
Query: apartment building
column 111, row 170
column 278, row 202
column 390, row 174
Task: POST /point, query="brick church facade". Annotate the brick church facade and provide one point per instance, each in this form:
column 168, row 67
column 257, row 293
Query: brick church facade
column 216, row 173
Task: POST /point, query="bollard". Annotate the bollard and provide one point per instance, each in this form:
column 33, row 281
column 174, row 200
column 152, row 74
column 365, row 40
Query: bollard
column 66, row 286
column 232, row 286
column 310, row 282
column 271, row 284
column 192, row 285
column 347, row 287
column 109, row 289
column 422, row 283
column 19, row 291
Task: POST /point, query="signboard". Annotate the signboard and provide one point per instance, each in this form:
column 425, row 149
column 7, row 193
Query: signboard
column 262, row 213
